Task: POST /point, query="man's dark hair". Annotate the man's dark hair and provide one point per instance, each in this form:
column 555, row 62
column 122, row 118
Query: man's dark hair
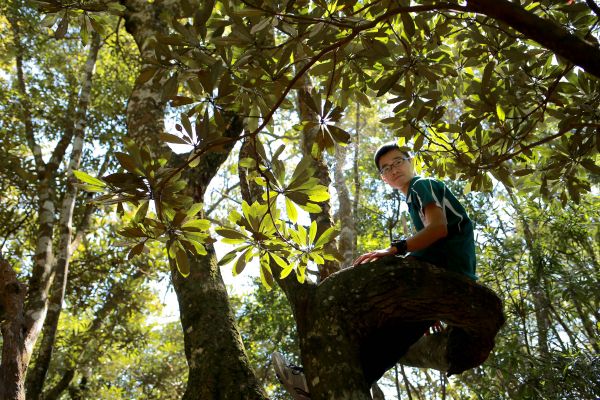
column 386, row 148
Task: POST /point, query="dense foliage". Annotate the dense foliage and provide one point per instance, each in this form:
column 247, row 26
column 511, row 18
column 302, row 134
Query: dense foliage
column 481, row 98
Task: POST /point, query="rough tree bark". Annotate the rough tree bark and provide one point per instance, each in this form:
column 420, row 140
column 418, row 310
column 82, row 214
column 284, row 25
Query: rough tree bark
column 340, row 312
column 218, row 366
column 14, row 364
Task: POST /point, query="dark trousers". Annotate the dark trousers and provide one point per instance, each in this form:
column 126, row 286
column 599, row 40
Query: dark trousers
column 384, row 348
column 381, row 351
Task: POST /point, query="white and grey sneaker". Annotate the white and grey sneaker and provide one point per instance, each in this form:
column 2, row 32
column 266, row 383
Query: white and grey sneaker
column 291, row 377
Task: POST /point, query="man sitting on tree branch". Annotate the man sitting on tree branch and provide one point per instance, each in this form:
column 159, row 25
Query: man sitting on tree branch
column 444, row 238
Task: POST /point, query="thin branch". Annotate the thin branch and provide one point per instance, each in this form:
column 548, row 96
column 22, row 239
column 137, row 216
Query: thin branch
column 25, row 106
column 592, row 4
column 224, row 196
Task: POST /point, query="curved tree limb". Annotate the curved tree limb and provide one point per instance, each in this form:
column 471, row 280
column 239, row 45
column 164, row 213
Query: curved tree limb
column 546, row 33
column 353, row 304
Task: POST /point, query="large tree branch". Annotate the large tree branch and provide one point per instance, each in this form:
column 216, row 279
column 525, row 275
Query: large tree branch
column 352, row 305
column 546, row 33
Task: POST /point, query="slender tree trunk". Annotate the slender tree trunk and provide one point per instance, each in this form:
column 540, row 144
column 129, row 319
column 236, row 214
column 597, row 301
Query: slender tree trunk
column 535, row 281
column 323, row 218
column 37, row 375
column 347, row 237
column 355, row 170
column 21, row 330
column 88, row 356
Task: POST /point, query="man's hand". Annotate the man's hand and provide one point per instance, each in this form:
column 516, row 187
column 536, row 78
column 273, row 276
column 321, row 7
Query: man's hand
column 375, row 255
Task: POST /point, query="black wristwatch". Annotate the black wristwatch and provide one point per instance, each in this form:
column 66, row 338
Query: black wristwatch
column 400, row 245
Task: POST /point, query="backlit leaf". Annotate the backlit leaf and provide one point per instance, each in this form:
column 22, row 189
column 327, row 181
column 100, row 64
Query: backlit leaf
column 84, row 177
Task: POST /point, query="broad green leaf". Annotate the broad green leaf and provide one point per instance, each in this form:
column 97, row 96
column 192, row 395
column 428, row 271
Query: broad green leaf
column 500, row 112
column 128, row 162
column 286, row 271
column 280, row 261
column 194, row 209
column 83, row 177
column 301, row 274
column 302, row 236
column 311, row 208
column 318, row 194
column 132, row 231
column 230, row 256
column 408, row 24
column 136, row 250
column 241, row 262
column 170, row 138
column 141, row 212
column 292, row 212
column 326, row 237
column 387, row 83
column 362, row 98
column 201, row 224
column 230, row 233
column 312, row 232
column 199, row 247
column 183, row 263
column 317, row 258
column 266, row 276
column 169, row 89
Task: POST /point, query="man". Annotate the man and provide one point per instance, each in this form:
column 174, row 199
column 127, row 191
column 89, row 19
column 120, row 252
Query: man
column 444, row 237
column 444, row 231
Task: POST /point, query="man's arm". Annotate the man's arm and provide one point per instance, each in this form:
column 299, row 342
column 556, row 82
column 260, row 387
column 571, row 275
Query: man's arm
column 435, row 229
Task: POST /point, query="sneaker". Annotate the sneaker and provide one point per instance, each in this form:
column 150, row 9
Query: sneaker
column 291, row 377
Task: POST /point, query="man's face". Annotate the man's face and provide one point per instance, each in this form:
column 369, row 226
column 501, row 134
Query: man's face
column 396, row 169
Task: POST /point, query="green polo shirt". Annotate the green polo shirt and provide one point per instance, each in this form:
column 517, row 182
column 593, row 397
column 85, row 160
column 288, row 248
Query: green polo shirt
column 456, row 251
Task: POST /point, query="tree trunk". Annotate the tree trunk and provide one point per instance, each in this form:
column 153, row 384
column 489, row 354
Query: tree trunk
column 347, row 237
column 218, row 366
column 28, row 308
column 14, row 354
column 352, row 304
column 535, row 281
column 37, row 375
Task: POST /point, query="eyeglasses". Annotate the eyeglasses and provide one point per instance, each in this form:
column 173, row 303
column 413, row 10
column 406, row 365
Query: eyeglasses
column 388, row 168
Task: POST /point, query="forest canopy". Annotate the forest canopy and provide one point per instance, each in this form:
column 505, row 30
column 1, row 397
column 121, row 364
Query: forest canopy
column 274, row 111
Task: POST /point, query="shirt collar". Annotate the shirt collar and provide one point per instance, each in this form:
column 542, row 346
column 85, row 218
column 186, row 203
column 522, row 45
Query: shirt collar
column 410, row 185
